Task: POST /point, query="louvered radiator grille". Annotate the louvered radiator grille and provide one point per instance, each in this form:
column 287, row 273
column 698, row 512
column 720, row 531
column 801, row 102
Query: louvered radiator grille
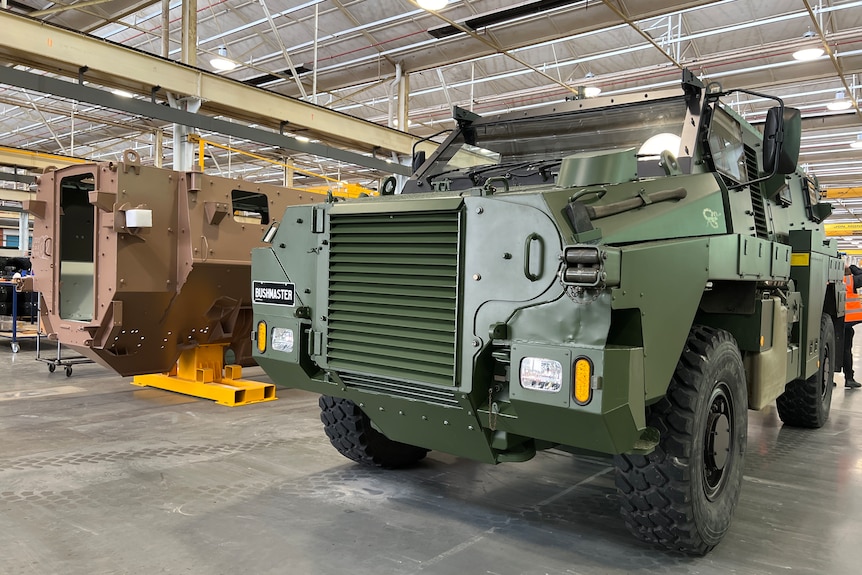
column 393, row 295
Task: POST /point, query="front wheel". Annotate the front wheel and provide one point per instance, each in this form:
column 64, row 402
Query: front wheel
column 350, row 432
column 682, row 495
column 806, row 402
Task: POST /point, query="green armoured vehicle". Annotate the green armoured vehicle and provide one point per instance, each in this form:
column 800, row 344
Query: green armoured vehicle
column 623, row 275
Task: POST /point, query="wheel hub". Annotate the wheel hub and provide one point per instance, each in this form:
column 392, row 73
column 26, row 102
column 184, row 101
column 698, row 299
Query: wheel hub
column 718, row 441
column 825, row 380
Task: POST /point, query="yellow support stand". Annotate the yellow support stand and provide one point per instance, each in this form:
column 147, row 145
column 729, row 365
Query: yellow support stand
column 201, row 372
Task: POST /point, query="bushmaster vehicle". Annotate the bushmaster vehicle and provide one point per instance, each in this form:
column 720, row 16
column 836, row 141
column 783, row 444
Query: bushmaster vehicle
column 625, row 275
column 139, row 265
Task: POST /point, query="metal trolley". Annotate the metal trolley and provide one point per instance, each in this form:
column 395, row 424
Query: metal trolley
column 59, row 360
column 14, row 334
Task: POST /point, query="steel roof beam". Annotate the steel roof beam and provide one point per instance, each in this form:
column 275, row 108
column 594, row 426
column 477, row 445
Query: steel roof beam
column 29, row 42
column 49, row 85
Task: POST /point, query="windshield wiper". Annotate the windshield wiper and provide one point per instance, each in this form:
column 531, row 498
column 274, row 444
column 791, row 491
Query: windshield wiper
column 515, row 170
column 511, row 170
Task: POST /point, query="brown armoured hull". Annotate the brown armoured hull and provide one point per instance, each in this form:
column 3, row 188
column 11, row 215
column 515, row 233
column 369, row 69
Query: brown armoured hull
column 137, row 264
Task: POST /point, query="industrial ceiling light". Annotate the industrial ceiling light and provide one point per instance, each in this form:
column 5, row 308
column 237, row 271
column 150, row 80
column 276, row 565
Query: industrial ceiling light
column 591, row 91
column 432, row 4
column 808, row 54
column 858, row 143
column 221, row 62
column 122, row 93
column 839, row 103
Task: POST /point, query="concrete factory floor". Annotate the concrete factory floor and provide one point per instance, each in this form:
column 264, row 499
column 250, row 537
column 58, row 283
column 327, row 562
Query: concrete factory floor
column 101, row 477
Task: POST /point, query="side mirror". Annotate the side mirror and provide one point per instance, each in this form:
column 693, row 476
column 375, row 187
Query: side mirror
column 418, row 160
column 781, row 138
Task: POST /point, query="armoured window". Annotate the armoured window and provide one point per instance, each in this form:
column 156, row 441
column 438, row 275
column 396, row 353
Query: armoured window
column 811, row 189
column 250, row 207
column 725, row 145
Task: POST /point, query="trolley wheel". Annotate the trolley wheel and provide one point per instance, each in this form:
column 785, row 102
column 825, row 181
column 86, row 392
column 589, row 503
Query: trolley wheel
column 15, row 347
column 51, row 367
column 68, row 371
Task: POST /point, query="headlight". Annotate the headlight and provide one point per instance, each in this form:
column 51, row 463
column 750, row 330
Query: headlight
column 541, row 374
column 282, row 339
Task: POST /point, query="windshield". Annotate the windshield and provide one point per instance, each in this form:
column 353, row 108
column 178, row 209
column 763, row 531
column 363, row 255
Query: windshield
column 648, row 127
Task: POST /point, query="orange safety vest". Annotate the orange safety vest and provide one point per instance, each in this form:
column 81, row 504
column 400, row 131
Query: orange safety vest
column 853, row 306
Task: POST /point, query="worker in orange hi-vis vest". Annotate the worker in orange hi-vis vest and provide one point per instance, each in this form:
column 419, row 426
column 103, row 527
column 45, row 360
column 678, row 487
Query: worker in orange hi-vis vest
column 852, row 316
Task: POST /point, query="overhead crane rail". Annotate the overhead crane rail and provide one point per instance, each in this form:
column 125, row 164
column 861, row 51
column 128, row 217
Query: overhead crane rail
column 33, row 160
column 337, row 187
column 842, row 193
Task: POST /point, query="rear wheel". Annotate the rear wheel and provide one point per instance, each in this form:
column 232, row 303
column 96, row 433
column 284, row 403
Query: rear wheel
column 806, row 402
column 350, row 432
column 682, row 495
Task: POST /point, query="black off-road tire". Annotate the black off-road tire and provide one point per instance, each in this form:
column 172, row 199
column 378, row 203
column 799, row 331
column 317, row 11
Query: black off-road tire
column 682, row 495
column 806, row 402
column 350, row 432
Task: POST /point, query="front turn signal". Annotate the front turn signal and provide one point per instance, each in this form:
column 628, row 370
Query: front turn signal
column 583, row 374
column 261, row 336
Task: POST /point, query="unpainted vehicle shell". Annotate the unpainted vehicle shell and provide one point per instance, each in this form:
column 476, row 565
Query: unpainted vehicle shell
column 155, row 291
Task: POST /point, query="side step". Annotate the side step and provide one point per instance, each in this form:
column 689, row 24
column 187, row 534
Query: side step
column 200, row 372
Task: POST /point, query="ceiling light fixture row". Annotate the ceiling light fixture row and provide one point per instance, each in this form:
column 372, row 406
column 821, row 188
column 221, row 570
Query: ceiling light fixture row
column 841, row 102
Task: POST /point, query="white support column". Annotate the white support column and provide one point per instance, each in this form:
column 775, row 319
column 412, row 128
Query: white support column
column 24, row 233
column 403, row 118
column 392, row 91
column 314, row 58
column 403, row 106
column 184, row 151
column 159, row 153
column 72, row 129
column 288, row 173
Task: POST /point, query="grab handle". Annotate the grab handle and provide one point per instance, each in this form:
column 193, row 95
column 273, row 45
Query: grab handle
column 528, row 252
